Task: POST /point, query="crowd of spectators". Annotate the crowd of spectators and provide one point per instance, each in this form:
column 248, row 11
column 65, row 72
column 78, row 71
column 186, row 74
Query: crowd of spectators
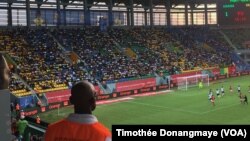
column 203, row 43
column 6, row 45
column 103, row 60
column 39, row 60
column 44, row 66
column 239, row 37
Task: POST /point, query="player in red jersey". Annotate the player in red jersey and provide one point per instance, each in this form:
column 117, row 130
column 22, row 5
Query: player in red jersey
column 213, row 100
column 231, row 89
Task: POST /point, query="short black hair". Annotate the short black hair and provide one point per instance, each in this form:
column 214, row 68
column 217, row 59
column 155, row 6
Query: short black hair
column 82, row 90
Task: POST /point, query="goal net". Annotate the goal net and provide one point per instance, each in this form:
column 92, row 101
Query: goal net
column 193, row 81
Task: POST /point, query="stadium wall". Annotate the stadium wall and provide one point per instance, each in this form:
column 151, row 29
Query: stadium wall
column 132, row 85
column 56, row 105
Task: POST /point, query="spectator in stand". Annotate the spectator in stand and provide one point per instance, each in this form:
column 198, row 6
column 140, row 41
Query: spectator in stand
column 81, row 125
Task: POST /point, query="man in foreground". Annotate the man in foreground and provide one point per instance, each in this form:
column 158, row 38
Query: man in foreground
column 81, row 125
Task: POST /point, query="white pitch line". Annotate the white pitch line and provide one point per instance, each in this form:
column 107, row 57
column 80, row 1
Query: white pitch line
column 224, row 107
column 157, row 106
column 114, row 102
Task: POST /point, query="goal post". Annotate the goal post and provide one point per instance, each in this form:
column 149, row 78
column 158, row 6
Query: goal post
column 193, row 81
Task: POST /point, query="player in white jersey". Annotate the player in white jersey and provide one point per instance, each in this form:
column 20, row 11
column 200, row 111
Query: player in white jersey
column 238, row 88
column 218, row 93
column 222, row 91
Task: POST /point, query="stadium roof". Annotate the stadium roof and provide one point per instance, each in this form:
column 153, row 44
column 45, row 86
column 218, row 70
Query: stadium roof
column 144, row 3
column 164, row 2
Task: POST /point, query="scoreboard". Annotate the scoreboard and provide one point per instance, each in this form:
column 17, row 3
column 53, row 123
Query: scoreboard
column 233, row 12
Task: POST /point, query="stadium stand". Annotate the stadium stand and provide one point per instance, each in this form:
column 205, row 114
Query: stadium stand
column 122, row 47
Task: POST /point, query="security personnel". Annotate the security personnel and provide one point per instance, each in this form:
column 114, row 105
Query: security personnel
column 81, row 125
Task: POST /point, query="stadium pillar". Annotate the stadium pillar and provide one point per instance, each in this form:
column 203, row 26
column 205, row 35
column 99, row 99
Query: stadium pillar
column 128, row 17
column 146, row 17
column 206, row 18
column 28, row 12
column 64, row 15
column 192, row 16
column 58, row 12
column 110, row 6
column 151, row 13
column 86, row 13
column 9, row 14
column 132, row 12
column 168, row 7
column 186, row 13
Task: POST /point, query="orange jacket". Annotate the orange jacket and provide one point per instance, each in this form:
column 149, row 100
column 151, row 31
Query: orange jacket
column 75, row 131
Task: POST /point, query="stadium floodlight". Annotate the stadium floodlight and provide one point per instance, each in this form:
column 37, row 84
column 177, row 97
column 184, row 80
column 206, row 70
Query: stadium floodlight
column 192, row 81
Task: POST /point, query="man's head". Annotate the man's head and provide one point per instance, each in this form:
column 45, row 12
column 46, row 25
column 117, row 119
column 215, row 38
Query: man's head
column 82, row 97
column 4, row 73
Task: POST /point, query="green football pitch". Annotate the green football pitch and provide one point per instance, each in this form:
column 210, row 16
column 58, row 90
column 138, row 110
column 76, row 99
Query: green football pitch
column 175, row 107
